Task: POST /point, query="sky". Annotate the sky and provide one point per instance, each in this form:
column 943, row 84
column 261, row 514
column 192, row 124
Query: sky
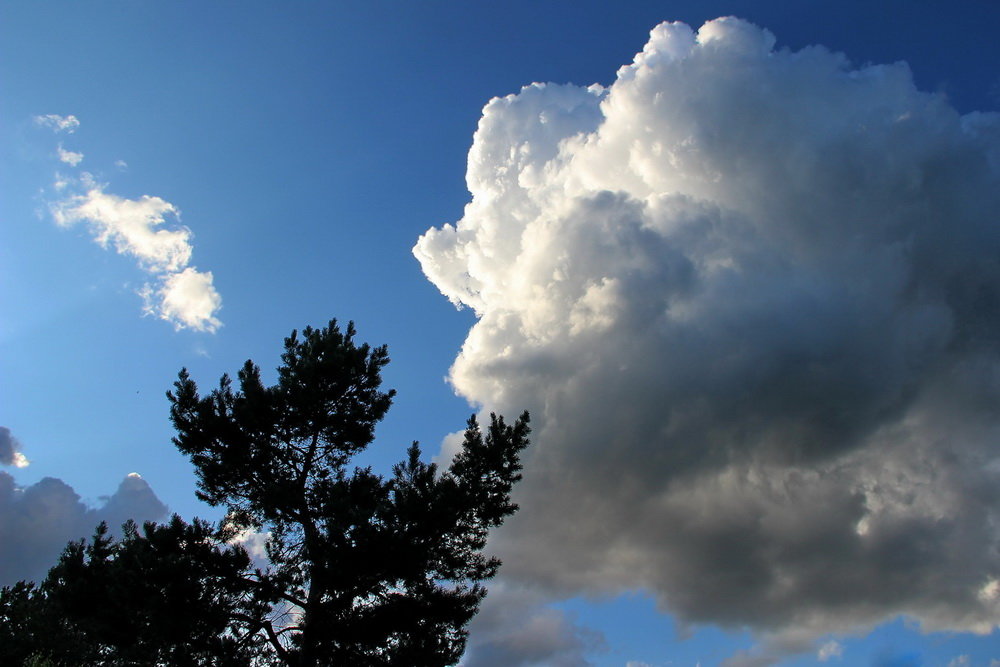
column 742, row 271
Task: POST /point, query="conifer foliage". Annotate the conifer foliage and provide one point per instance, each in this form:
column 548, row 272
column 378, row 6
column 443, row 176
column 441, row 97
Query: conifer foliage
column 169, row 594
column 373, row 570
column 361, row 570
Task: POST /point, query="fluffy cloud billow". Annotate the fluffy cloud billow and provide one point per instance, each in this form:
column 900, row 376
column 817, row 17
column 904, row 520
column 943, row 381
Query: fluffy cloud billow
column 752, row 300
column 140, row 228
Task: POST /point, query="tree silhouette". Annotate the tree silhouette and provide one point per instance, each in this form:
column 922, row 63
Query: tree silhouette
column 170, row 594
column 371, row 571
column 362, row 570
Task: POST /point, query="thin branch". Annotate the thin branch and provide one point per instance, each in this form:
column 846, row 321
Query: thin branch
column 272, row 636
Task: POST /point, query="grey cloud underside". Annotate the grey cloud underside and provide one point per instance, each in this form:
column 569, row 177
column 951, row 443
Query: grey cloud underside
column 37, row 521
column 752, row 299
column 515, row 629
column 9, row 447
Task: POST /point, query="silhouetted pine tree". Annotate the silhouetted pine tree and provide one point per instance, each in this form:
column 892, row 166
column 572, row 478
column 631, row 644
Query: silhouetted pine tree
column 170, row 594
column 371, row 571
column 363, row 570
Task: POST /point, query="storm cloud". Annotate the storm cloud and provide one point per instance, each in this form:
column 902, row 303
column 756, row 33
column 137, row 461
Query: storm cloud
column 751, row 298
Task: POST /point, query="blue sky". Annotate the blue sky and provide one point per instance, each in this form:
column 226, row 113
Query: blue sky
column 308, row 147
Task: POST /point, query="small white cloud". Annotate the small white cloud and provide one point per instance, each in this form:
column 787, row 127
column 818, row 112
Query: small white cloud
column 133, row 226
column 147, row 229
column 637, row 663
column 961, row 661
column 57, row 123
column 187, row 299
column 71, row 158
column 831, row 649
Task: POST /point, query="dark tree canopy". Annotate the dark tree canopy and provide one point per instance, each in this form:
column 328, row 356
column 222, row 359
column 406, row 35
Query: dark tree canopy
column 374, row 571
column 363, row 570
column 170, row 594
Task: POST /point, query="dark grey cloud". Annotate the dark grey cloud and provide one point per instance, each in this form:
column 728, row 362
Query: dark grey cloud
column 10, row 450
column 37, row 521
column 752, row 300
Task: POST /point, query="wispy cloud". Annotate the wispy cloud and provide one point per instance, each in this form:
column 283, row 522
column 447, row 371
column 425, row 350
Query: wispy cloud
column 147, row 229
column 829, row 650
column 69, row 157
column 57, row 123
column 749, row 297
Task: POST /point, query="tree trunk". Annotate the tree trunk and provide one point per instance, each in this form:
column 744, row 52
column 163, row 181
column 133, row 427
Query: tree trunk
column 312, row 622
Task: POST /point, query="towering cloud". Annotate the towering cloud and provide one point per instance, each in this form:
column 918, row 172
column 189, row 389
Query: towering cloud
column 752, row 299
column 37, row 521
column 139, row 228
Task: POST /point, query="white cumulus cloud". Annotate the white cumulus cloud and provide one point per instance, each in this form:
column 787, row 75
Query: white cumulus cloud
column 186, row 298
column 752, row 300
column 147, row 229
column 134, row 227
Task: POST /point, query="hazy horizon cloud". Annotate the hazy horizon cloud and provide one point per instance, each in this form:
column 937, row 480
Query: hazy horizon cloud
column 750, row 298
column 37, row 521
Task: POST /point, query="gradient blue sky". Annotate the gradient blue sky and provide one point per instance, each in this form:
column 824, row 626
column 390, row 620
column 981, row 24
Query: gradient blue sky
column 308, row 146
